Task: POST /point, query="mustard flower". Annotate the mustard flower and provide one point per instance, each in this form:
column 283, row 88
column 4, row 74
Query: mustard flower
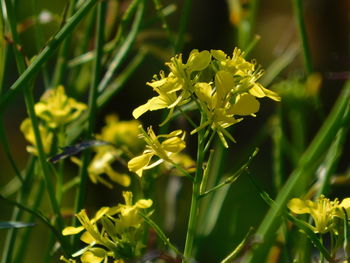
column 115, row 230
column 123, row 134
column 323, row 211
column 172, row 144
column 46, row 137
column 56, row 109
column 176, row 88
column 245, row 73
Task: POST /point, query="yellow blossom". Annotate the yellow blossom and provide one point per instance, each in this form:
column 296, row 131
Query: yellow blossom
column 57, row 109
column 46, row 137
column 115, row 230
column 176, row 88
column 123, row 134
column 322, row 211
column 172, row 144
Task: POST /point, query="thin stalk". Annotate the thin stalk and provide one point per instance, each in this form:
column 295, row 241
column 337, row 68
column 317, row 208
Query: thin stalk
column 124, row 49
column 3, row 50
column 338, row 117
column 107, row 95
column 46, row 53
column 44, row 220
column 194, row 209
column 331, row 161
column 161, row 234
column 185, row 15
column 6, row 147
column 39, row 38
column 233, row 177
column 61, row 64
column 299, row 15
column 29, row 101
column 16, row 214
column 25, row 238
column 81, row 193
column 165, row 25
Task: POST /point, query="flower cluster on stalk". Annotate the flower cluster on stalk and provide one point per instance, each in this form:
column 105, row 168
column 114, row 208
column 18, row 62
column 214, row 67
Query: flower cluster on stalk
column 323, row 211
column 55, row 110
column 224, row 89
column 114, row 232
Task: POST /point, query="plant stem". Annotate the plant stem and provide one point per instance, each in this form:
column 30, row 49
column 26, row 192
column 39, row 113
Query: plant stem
column 81, row 193
column 194, row 210
column 61, row 64
column 124, row 49
column 338, row 118
column 29, row 101
column 46, row 53
column 298, row 9
column 185, row 15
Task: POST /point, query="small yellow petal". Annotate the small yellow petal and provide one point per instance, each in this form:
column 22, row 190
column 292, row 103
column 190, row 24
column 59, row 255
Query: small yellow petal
column 246, row 104
column 89, row 257
column 71, row 230
column 139, row 162
column 298, row 206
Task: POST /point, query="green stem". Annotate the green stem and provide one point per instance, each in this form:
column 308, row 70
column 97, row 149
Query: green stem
column 23, row 245
column 194, row 210
column 81, row 193
column 232, row 178
column 29, row 101
column 298, row 9
column 124, row 49
column 338, row 117
column 185, row 15
column 61, row 64
column 46, row 53
column 6, row 146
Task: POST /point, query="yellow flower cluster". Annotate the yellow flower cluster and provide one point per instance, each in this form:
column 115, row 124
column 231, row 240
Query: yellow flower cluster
column 124, row 136
column 55, row 110
column 323, row 212
column 114, row 232
column 225, row 89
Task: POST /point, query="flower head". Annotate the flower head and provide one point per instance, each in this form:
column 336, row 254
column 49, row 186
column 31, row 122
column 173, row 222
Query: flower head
column 176, row 88
column 115, row 230
column 57, row 109
column 171, row 144
column 322, row 211
column 46, row 136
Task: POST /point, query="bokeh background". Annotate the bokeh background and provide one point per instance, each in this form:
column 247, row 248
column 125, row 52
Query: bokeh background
column 211, row 26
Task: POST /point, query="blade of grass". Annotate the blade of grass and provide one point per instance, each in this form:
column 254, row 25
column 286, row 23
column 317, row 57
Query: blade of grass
column 45, row 54
column 338, row 117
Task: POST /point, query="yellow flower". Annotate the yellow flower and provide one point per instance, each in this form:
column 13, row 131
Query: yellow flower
column 322, row 211
column 57, row 109
column 176, row 88
column 129, row 213
column 46, row 137
column 123, row 134
column 116, row 230
column 172, row 144
column 102, row 164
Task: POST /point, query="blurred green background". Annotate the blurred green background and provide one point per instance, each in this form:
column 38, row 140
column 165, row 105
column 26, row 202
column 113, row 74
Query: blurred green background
column 211, row 26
